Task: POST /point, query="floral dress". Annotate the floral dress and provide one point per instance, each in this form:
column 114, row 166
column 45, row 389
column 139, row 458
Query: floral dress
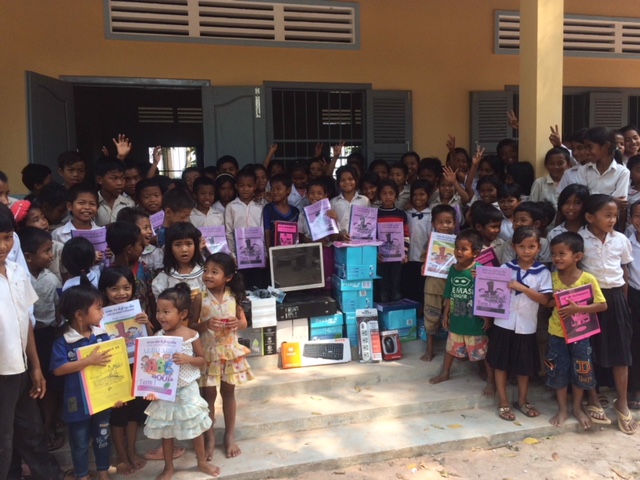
column 187, row 417
column 225, row 356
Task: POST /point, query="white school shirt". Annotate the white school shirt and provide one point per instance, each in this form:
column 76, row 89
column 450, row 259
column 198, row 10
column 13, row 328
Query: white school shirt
column 634, row 267
column 153, row 257
column 604, row 260
column 403, row 197
column 569, row 177
column 544, row 256
column 298, row 200
column 614, row 181
column 63, row 234
column 93, row 276
column 241, row 215
column 212, row 218
column 544, row 188
column 556, row 231
column 46, row 286
column 506, row 230
column 167, row 280
column 342, row 207
column 419, row 232
column 218, row 207
column 107, row 214
column 523, row 311
column 17, row 297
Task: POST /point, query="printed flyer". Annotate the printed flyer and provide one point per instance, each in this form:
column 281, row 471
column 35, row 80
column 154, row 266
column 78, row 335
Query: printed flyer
column 391, row 234
column 488, row 258
column 250, row 250
column 286, row 233
column 154, row 371
column 492, row 297
column 215, row 239
column 157, row 219
column 118, row 322
column 320, row 225
column 439, row 255
column 580, row 325
column 104, row 386
column 98, row 239
column 363, row 223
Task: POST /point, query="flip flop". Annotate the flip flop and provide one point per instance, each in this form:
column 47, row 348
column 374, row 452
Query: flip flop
column 505, row 414
column 528, row 409
column 592, row 410
column 624, row 421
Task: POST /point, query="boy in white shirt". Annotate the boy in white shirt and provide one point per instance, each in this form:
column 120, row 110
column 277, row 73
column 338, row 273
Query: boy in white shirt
column 348, row 183
column 204, row 215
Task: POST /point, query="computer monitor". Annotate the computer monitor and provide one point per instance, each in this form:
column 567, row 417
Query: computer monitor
column 297, row 267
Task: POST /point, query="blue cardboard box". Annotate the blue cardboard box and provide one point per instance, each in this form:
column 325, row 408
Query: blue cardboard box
column 350, row 285
column 350, row 318
column 327, row 320
column 401, row 316
column 354, row 300
column 351, row 330
column 326, row 333
column 408, row 334
column 356, row 263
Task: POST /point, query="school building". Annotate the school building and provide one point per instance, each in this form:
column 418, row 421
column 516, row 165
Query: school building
column 234, row 76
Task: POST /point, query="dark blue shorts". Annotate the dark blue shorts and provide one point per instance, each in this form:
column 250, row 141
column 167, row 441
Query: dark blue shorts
column 569, row 363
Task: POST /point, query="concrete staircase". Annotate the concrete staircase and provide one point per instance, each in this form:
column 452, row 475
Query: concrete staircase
column 300, row 420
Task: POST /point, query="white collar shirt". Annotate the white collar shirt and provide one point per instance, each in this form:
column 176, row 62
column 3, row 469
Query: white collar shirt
column 544, row 188
column 419, row 232
column 634, row 267
column 241, row 215
column 342, row 207
column 297, row 199
column 107, row 214
column 212, row 218
column 46, row 286
column 555, row 231
column 603, row 260
column 614, row 181
column 63, row 234
column 569, row 177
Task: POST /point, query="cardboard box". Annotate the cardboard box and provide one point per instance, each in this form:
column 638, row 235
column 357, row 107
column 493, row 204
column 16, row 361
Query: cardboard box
column 292, row 331
column 326, row 333
column 310, row 353
column 261, row 341
column 399, row 315
column 356, row 263
column 369, row 349
column 352, row 333
column 305, row 306
column 354, row 300
column 408, row 334
column 350, row 285
column 327, row 320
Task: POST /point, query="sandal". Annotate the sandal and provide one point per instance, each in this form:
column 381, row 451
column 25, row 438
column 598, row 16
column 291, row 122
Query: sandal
column 526, row 408
column 597, row 415
column 625, row 422
column 505, row 414
column 55, row 441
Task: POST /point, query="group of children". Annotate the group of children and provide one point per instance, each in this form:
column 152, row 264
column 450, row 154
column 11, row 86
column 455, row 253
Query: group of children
column 487, row 201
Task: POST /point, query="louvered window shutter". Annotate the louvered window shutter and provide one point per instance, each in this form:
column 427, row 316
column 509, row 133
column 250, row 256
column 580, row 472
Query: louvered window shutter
column 389, row 124
column 608, row 109
column 489, row 119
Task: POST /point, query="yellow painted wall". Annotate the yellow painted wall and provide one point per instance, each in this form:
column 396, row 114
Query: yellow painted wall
column 439, row 49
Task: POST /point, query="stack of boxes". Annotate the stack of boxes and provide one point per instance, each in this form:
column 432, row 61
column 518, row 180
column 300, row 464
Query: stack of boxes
column 302, row 317
column 355, row 271
column 400, row 316
column 260, row 337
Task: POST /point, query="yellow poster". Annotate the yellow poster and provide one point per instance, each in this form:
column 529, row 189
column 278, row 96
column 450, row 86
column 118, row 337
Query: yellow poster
column 103, row 386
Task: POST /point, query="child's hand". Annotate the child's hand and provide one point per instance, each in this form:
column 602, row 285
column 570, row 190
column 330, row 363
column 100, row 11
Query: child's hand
column 477, row 158
column 446, row 322
column 203, row 243
column 622, row 203
column 332, row 214
column 405, row 259
column 517, row 286
column 272, row 149
column 569, row 310
column 449, row 174
column 108, row 253
column 98, row 358
column 157, row 155
column 142, row 318
column 217, row 323
column 151, row 397
column 451, row 143
column 105, row 151
column 513, row 120
column 488, row 321
column 473, row 273
column 181, row 359
column 119, row 404
column 379, row 258
column 337, row 149
column 99, row 257
column 233, row 323
column 123, row 145
column 555, row 138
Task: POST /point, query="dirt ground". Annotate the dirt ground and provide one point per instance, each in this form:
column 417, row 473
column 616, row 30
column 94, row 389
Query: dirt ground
column 604, row 453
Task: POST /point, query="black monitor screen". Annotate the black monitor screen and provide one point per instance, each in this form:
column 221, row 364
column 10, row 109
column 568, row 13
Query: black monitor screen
column 297, row 267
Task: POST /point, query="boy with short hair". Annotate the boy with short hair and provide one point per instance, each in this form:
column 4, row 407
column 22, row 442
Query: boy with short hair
column 227, row 164
column 82, row 203
column 177, row 205
column 508, row 199
column 379, row 167
column 487, row 221
column 53, row 200
column 110, row 178
column 297, row 197
column 21, row 378
column 35, row 176
column 398, row 172
column 152, row 256
column 132, row 175
column 467, row 332
column 528, row 214
column 570, row 363
column 149, row 195
column 204, row 215
column 443, row 220
column 279, row 209
column 37, row 247
column 72, row 167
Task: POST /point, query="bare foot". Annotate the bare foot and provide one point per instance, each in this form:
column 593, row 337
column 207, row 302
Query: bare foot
column 489, row 390
column 559, row 418
column 209, row 444
column 137, row 461
column 103, row 475
column 583, row 418
column 124, row 468
column 166, row 474
column 443, row 377
column 233, row 450
column 427, row 357
column 208, row 468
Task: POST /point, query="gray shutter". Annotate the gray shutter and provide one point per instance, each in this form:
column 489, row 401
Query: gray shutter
column 233, row 122
column 51, row 119
column 389, row 124
column 608, row 109
column 489, row 122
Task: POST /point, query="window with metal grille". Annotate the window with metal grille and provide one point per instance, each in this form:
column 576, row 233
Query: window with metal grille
column 584, row 35
column 304, row 118
column 294, row 23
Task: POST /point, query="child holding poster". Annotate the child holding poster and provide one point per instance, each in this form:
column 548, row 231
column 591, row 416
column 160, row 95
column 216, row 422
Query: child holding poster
column 443, row 220
column 118, row 286
column 81, row 307
column 513, row 347
column 572, row 362
column 187, row 417
column 227, row 366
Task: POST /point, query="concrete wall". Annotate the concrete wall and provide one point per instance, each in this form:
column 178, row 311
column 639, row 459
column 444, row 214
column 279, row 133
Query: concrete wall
column 439, row 49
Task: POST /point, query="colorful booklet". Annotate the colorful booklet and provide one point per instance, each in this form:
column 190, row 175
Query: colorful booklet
column 391, row 234
column 363, row 222
column 118, row 322
column 157, row 219
column 320, row 225
column 215, row 238
column 439, row 255
column 488, row 258
column 580, row 325
column 286, row 233
column 491, row 296
column 103, row 386
column 98, row 239
column 154, row 371
column 250, row 251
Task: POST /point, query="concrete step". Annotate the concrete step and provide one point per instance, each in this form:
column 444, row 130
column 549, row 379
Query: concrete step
column 285, row 455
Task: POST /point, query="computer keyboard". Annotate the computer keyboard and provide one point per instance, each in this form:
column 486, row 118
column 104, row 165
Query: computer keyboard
column 326, row 351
